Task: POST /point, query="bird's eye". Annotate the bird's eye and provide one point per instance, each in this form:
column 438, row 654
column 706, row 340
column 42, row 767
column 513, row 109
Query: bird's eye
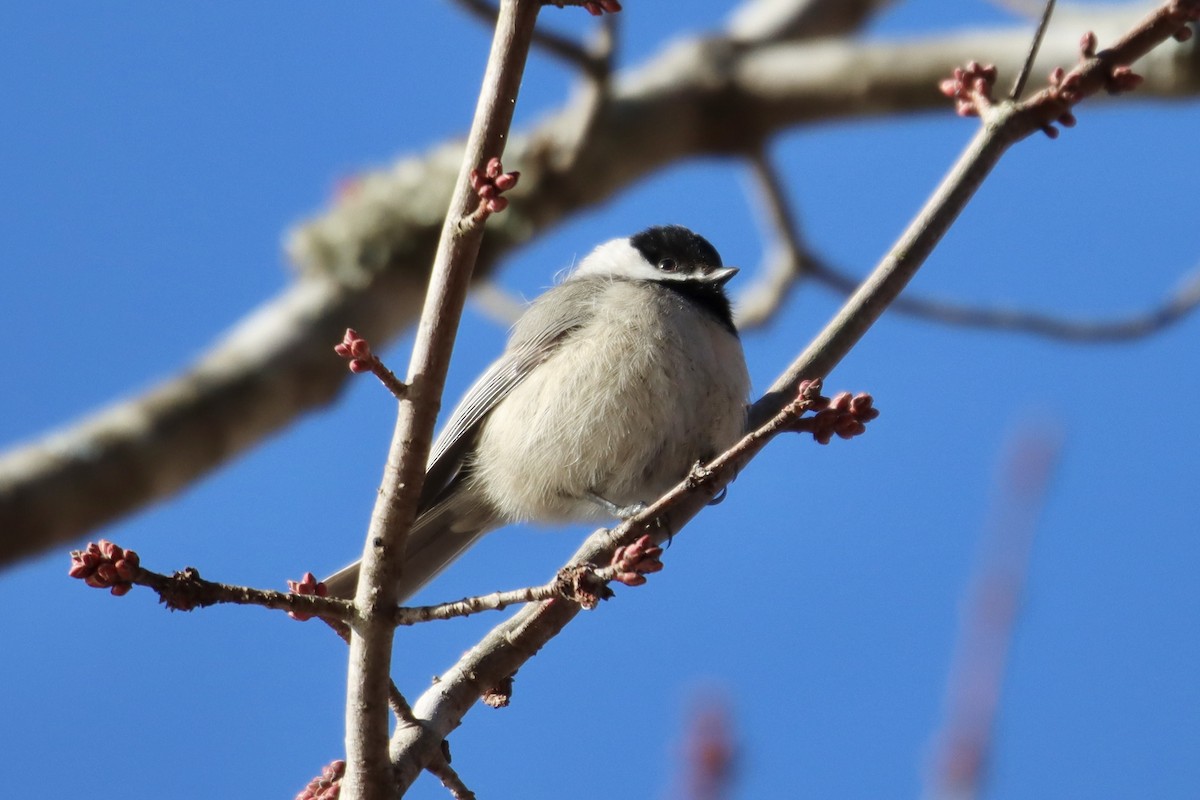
column 668, row 265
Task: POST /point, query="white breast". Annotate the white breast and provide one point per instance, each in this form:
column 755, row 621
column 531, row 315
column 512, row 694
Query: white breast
column 606, row 413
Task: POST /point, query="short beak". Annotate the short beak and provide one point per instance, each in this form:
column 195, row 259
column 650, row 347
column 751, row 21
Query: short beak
column 719, row 277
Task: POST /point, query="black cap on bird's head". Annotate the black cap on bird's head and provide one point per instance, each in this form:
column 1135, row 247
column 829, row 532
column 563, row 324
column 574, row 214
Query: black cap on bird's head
column 677, row 252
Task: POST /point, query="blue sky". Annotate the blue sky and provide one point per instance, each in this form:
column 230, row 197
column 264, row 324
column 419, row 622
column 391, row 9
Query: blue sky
column 155, row 156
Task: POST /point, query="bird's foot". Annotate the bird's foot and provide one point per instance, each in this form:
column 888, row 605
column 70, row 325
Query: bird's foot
column 620, row 512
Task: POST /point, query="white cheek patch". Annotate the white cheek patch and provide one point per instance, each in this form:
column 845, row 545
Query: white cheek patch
column 616, row 258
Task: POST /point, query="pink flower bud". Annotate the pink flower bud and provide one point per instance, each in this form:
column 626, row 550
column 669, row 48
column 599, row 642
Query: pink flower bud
column 1087, row 44
column 507, row 181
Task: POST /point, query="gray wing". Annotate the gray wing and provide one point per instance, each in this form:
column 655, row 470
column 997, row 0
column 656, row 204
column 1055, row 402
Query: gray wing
column 536, row 336
column 448, row 523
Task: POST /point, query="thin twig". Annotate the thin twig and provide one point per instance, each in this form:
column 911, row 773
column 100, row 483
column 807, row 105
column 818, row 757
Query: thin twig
column 710, row 750
column 1027, row 68
column 357, row 352
column 496, row 601
column 1175, row 307
column 186, row 590
column 106, row 565
column 441, row 769
column 834, row 417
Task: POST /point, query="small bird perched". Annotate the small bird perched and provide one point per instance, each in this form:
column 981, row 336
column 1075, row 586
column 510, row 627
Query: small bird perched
column 612, row 385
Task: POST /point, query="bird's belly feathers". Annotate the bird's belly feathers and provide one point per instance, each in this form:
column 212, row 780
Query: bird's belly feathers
column 608, row 417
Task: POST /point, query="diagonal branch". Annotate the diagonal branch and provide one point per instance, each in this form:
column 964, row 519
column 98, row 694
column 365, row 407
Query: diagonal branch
column 1027, row 68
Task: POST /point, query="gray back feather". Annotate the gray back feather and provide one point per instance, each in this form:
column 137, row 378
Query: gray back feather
column 541, row 329
column 448, row 522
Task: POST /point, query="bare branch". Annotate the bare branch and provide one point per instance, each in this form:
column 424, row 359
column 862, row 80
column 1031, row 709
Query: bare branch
column 496, row 601
column 1024, row 8
column 441, row 769
column 1027, row 68
column 104, row 565
column 1177, row 306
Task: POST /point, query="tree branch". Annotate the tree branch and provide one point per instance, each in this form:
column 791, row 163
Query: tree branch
column 790, row 259
column 1176, row 306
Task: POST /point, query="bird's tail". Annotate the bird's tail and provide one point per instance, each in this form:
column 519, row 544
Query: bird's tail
column 438, row 537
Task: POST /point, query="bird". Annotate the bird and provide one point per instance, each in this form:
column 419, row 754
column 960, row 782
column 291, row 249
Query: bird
column 612, row 385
